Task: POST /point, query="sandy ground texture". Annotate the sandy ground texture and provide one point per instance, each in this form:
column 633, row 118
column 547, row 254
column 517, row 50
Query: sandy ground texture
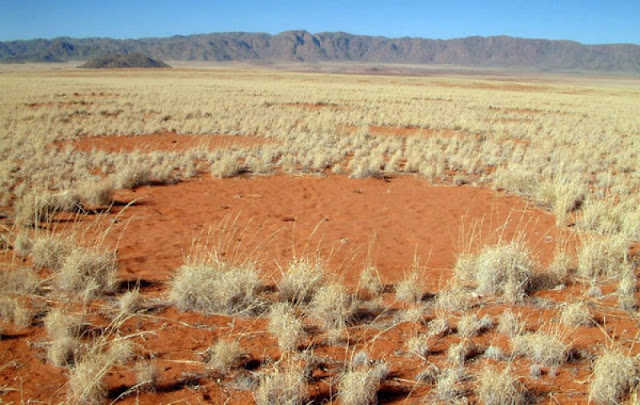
column 350, row 222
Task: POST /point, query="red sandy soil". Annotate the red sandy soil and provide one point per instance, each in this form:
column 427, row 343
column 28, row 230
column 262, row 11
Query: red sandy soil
column 164, row 141
column 272, row 219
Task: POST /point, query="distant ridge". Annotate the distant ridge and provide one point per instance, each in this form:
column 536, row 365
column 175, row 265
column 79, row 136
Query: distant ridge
column 302, row 46
column 118, row 60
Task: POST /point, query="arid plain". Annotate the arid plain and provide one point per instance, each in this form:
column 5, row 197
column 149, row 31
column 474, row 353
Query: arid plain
column 221, row 234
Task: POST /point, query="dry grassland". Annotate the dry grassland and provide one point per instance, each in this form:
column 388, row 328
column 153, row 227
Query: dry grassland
column 230, row 236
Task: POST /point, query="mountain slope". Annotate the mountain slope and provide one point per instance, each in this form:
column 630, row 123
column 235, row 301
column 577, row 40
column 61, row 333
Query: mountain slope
column 117, row 60
column 302, row 46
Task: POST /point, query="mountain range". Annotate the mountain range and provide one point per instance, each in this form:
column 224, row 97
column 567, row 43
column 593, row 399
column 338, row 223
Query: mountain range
column 302, row 46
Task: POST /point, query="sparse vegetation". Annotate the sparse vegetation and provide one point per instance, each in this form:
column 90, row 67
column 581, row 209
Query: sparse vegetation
column 370, row 281
column 359, row 386
column 602, row 256
column 544, row 347
column 64, row 330
column 505, row 269
column 286, row 387
column 223, row 356
column 87, row 272
column 215, row 286
column 301, row 280
column 496, row 387
column 50, row 251
column 469, row 325
column 576, row 314
column 449, row 385
column 332, row 306
column 282, row 323
column 614, row 374
column 286, row 326
column 411, row 288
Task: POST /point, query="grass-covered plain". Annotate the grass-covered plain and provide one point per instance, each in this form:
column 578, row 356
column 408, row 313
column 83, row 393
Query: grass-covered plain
column 231, row 235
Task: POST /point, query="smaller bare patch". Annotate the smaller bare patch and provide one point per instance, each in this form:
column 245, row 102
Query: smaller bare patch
column 312, row 106
column 164, row 141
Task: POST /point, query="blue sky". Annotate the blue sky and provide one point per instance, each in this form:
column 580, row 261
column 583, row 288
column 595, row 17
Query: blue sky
column 587, row 21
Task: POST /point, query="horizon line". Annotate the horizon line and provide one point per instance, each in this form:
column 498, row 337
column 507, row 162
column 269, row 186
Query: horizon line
column 312, row 33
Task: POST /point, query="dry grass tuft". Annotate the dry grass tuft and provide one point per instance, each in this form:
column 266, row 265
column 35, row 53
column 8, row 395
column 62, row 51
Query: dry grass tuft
column 510, row 324
column 419, row 345
column 63, row 351
column 576, row 314
column 88, row 272
column 226, row 166
column 360, row 386
column 413, row 314
column 411, row 288
column 33, row 208
column 505, row 269
column 429, row 374
column 455, row 300
column 449, row 386
column 301, row 280
column 439, row 326
column 561, row 265
column 223, row 356
column 20, row 281
column 602, row 256
column 133, row 175
column 64, row 329
column 147, row 376
column 614, row 374
column 499, row 387
column 458, row 353
column 12, row 310
column 332, row 306
column 370, row 281
column 277, row 387
column 130, row 302
column 96, row 193
column 469, row 325
column 286, row 326
column 23, row 244
column 86, row 379
column 544, row 347
column 216, row 286
column 494, row 352
column 627, row 288
column 50, row 251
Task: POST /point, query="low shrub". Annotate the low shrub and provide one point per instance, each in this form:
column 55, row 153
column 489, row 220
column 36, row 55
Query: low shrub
column 223, row 356
column 87, row 271
column 279, row 387
column 496, row 387
column 614, row 374
column 301, row 280
column 505, row 269
column 332, row 306
column 215, row 286
column 286, row 326
column 359, row 386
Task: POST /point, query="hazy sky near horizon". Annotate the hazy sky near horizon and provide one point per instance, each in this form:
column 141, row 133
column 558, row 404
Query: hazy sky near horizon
column 587, row 21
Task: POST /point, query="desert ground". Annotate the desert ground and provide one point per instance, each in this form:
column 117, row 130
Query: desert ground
column 240, row 234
